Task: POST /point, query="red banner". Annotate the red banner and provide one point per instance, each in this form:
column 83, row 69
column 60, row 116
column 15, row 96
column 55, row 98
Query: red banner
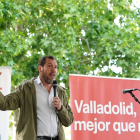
column 102, row 111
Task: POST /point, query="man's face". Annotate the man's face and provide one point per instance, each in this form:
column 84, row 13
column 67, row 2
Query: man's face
column 49, row 70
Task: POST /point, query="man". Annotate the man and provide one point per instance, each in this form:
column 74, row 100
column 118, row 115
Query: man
column 41, row 114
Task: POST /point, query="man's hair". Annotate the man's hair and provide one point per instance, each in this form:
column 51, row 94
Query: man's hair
column 42, row 60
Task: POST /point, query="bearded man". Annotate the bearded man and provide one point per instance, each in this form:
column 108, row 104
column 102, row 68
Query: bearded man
column 42, row 116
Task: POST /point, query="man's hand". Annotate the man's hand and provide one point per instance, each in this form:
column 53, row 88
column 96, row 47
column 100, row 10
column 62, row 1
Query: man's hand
column 57, row 103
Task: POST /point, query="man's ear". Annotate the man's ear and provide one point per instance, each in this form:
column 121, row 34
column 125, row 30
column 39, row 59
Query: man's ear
column 40, row 68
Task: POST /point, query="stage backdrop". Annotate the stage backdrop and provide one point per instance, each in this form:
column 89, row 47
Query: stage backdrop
column 5, row 86
column 101, row 110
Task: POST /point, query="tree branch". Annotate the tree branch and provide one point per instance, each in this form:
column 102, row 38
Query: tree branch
column 85, row 41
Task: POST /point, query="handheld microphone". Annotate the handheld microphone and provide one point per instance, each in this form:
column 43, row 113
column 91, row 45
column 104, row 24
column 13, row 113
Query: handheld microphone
column 54, row 87
column 128, row 90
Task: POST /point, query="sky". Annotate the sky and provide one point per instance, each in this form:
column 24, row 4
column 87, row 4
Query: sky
column 136, row 3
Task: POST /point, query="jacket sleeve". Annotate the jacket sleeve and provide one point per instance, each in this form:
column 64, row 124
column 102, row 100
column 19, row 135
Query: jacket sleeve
column 65, row 115
column 10, row 101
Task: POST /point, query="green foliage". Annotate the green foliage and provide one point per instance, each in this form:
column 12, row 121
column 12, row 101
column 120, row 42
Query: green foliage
column 81, row 34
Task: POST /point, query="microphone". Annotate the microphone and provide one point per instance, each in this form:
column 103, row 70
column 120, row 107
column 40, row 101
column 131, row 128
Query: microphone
column 54, row 87
column 128, row 90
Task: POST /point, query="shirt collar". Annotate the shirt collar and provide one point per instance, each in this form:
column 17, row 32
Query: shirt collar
column 38, row 81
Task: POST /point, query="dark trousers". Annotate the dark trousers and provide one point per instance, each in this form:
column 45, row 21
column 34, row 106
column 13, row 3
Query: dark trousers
column 46, row 138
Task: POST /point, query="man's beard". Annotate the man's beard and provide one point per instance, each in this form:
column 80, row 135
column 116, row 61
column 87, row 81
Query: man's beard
column 46, row 79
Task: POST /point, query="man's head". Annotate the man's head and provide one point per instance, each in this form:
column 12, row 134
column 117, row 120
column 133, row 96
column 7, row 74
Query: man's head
column 47, row 67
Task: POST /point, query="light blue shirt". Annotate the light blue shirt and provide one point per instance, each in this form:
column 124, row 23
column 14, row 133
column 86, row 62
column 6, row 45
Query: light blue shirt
column 46, row 116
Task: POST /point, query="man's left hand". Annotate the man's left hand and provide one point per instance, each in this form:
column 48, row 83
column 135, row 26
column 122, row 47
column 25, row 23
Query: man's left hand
column 57, row 103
